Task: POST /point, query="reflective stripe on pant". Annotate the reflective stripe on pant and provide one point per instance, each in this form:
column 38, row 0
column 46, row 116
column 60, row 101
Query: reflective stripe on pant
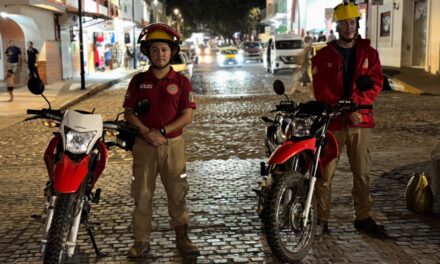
column 357, row 142
column 168, row 160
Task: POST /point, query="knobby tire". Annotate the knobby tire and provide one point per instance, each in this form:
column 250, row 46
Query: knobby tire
column 61, row 224
column 295, row 182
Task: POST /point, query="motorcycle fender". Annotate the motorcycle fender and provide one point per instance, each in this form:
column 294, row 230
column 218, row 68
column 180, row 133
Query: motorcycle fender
column 50, row 153
column 291, row 148
column 101, row 162
column 70, row 174
column 330, row 150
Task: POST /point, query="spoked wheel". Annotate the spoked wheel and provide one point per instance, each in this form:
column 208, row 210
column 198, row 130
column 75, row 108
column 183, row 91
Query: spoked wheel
column 286, row 234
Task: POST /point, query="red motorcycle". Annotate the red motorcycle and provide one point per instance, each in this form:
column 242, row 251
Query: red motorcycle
column 299, row 145
column 75, row 158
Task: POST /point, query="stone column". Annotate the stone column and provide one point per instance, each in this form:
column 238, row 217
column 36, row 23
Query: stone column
column 435, row 179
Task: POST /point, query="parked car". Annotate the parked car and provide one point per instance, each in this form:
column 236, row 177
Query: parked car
column 283, row 52
column 251, row 51
column 191, row 55
column 229, row 56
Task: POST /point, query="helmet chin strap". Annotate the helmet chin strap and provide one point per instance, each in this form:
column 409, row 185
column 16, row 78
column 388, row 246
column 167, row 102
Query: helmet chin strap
column 160, row 68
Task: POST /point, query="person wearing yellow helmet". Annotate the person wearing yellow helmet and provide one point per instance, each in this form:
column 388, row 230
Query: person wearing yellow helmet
column 159, row 148
column 347, row 16
column 336, row 69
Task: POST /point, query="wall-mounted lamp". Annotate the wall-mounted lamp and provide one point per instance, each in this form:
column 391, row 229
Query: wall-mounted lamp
column 396, row 5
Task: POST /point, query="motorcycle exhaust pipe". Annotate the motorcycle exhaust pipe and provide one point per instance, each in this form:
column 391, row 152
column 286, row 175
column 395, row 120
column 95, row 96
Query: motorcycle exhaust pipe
column 49, row 208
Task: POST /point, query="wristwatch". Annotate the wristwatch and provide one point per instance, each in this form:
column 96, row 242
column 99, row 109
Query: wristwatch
column 163, row 131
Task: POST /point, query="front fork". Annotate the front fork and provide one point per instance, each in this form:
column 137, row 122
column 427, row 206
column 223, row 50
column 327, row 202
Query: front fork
column 311, row 190
column 73, row 234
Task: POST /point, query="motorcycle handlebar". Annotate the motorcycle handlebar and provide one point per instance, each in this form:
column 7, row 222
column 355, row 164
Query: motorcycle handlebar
column 46, row 113
column 121, row 126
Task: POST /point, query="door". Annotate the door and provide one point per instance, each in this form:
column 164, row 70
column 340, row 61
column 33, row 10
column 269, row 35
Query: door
column 2, row 59
column 419, row 33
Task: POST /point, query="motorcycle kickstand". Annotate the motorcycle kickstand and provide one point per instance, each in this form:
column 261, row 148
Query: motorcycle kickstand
column 92, row 238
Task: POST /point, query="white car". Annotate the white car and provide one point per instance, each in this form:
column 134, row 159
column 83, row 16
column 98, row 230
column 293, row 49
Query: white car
column 283, row 52
column 181, row 65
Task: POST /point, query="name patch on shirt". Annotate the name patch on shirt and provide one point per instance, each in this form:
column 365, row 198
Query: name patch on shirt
column 146, row 86
column 172, row 89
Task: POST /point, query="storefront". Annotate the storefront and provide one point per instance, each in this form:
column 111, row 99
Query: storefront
column 25, row 20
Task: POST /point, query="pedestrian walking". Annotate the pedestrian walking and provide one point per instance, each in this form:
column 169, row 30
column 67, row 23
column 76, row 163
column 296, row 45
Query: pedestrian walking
column 128, row 57
column 10, row 83
column 308, row 39
column 303, row 74
column 321, row 37
column 160, row 148
column 331, row 36
column 13, row 54
column 32, row 59
column 335, row 69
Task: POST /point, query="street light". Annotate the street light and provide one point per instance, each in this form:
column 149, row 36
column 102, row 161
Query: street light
column 178, row 19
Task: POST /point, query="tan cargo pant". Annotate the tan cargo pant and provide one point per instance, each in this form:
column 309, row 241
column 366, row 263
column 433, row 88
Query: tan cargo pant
column 168, row 160
column 357, row 142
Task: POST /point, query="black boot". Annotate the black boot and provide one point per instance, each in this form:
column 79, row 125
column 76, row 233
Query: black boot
column 183, row 243
column 370, row 226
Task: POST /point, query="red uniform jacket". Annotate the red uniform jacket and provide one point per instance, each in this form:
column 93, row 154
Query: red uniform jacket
column 327, row 79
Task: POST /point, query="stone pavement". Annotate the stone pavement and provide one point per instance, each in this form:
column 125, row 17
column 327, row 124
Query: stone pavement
column 221, row 175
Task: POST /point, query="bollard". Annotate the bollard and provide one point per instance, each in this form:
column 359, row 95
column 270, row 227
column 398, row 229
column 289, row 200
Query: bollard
column 435, row 179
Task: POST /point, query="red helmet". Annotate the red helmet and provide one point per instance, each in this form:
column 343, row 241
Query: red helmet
column 159, row 32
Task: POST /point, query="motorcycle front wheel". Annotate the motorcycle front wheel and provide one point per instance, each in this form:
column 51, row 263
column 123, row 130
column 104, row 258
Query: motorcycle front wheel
column 284, row 227
column 58, row 233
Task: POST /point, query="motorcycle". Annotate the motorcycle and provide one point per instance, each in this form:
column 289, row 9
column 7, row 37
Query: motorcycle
column 75, row 158
column 299, row 145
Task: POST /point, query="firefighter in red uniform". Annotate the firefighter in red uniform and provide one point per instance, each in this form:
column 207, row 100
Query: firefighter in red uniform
column 159, row 148
column 335, row 69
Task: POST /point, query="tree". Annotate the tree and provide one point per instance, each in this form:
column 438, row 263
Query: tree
column 222, row 17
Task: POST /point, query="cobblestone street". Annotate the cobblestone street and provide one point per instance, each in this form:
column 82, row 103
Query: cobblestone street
column 224, row 149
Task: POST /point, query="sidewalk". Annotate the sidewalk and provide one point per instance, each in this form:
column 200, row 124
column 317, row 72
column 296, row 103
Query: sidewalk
column 61, row 95
column 412, row 80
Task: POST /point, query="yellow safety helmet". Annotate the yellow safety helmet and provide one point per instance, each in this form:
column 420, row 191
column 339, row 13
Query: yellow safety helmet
column 159, row 32
column 346, row 11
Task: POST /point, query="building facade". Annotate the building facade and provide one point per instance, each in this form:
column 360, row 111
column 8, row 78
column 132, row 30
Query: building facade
column 108, row 29
column 403, row 31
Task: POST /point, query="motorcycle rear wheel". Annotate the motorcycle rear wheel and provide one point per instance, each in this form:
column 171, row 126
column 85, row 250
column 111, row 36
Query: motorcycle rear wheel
column 61, row 224
column 286, row 235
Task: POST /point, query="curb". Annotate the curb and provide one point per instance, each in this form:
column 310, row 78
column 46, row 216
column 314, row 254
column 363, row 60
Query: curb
column 399, row 86
column 94, row 89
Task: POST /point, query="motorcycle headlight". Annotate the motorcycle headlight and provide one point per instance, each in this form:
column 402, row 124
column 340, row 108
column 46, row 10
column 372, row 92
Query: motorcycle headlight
column 300, row 127
column 78, row 142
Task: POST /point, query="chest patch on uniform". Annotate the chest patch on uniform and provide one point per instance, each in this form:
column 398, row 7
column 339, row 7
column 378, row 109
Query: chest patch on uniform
column 329, row 64
column 365, row 65
column 146, row 86
column 172, row 88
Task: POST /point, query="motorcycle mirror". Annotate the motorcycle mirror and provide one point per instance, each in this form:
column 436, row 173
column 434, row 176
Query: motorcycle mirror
column 36, row 86
column 142, row 107
column 278, row 87
column 364, row 83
